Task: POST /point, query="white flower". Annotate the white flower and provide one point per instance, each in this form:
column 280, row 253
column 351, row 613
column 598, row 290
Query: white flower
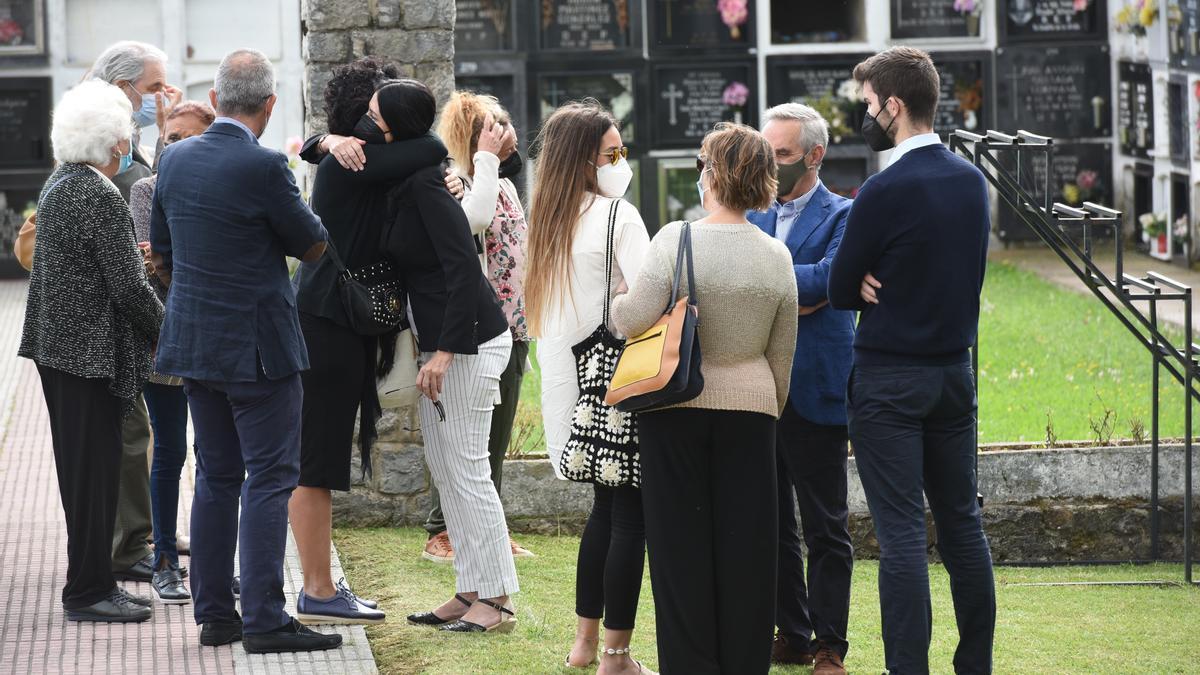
column 850, row 91
column 616, row 420
column 583, row 415
column 576, row 461
column 592, row 370
column 610, row 471
column 1145, row 219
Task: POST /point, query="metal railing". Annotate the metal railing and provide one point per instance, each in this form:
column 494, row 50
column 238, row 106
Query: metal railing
column 1000, row 157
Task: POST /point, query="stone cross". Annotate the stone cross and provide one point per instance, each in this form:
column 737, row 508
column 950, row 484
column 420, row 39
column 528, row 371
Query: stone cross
column 672, row 95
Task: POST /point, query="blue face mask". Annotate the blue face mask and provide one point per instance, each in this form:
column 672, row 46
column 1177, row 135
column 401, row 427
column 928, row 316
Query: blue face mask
column 126, row 159
column 700, row 189
column 148, row 113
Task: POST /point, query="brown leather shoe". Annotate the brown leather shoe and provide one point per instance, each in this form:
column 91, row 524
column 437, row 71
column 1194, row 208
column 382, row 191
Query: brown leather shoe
column 438, row 549
column 828, row 662
column 782, row 652
column 519, row 551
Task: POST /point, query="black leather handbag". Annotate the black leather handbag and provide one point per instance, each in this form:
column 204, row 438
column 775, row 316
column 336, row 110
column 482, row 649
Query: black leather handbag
column 371, row 295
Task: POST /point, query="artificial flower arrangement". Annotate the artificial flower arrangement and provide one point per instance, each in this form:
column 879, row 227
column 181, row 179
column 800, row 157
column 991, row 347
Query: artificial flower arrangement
column 1086, row 187
column 735, row 96
column 1136, row 17
column 840, row 108
column 1180, row 231
column 734, row 14
column 970, row 101
column 971, row 7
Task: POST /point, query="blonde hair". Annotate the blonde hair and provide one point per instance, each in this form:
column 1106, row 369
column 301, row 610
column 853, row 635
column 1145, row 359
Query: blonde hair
column 565, row 173
column 461, row 123
column 741, row 166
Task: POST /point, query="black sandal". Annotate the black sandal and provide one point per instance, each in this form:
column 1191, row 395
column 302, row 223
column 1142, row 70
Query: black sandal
column 431, row 619
column 506, row 624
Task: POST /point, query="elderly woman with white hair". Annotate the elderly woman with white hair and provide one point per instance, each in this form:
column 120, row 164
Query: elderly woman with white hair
column 91, row 319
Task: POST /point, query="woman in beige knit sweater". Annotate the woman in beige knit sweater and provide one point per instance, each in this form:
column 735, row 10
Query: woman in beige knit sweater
column 708, row 465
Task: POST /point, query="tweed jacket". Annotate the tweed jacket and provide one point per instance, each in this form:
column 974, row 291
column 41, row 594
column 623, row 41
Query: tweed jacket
column 90, row 311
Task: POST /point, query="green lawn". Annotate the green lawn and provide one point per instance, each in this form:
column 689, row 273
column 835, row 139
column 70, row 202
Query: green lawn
column 1039, row 629
column 1044, row 351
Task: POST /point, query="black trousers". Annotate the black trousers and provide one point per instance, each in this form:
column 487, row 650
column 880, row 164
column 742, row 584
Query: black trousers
column 709, row 494
column 812, row 465
column 913, row 430
column 85, row 425
column 612, row 555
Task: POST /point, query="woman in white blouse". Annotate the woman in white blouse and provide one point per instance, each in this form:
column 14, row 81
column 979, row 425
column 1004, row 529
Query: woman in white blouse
column 581, row 171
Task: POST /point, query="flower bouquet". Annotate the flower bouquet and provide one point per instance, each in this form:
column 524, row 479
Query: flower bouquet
column 1085, row 188
column 1154, row 232
column 734, row 14
column 971, row 9
column 1136, row 17
column 735, row 96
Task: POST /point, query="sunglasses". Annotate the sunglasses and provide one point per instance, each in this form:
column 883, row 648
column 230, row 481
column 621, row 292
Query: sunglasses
column 700, row 163
column 441, row 411
column 616, row 154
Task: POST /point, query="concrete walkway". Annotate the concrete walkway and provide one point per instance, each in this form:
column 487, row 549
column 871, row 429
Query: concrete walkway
column 1046, row 264
column 34, row 634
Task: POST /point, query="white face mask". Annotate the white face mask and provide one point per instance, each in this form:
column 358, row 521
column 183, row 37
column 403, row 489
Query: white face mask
column 613, row 179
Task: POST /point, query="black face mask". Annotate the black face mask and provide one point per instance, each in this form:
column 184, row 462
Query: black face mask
column 790, row 174
column 511, row 166
column 369, row 131
column 876, row 136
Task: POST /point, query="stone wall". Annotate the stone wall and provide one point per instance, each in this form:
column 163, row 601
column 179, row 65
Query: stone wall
column 417, row 34
column 1068, row 504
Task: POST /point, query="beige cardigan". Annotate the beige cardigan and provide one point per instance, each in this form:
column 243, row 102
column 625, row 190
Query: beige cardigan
column 746, row 292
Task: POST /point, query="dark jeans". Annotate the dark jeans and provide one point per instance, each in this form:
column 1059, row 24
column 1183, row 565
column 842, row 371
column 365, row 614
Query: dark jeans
column 913, row 432
column 134, row 525
column 612, row 555
column 168, row 407
column 503, row 416
column 709, row 494
column 812, row 465
column 85, row 425
column 247, row 447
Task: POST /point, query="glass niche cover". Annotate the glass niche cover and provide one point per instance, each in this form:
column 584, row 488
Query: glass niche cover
column 613, row 90
column 21, row 28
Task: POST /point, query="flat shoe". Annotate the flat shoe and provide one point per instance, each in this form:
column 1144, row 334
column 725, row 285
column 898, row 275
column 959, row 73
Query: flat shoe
column 431, row 619
column 505, row 625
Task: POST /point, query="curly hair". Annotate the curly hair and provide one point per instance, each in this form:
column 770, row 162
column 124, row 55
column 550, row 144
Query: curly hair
column 461, row 124
column 350, row 90
column 91, row 118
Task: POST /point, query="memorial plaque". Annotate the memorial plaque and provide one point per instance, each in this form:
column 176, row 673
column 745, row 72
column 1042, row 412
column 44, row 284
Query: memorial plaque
column 585, row 25
column 794, row 22
column 1183, row 34
column 966, row 92
column 1052, row 20
column 1135, row 109
column 1063, row 92
column 844, row 175
column 917, row 19
column 1178, row 133
column 483, row 26
column 25, row 123
column 824, row 84
column 1082, row 172
column 616, row 91
column 689, row 100
column 700, row 24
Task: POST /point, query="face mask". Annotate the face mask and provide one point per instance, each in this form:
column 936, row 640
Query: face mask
column 126, row 159
column 790, row 174
column 369, row 131
column 876, row 136
column 511, row 166
column 700, row 190
column 613, row 179
column 148, row 113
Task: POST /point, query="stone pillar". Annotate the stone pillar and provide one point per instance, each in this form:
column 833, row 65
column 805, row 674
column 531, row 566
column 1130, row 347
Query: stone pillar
column 418, row 35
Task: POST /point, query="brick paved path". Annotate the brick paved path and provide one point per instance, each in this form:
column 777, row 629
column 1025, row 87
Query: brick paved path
column 34, row 634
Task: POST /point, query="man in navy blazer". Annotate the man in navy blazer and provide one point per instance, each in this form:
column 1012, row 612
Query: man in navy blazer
column 811, row 448
column 226, row 213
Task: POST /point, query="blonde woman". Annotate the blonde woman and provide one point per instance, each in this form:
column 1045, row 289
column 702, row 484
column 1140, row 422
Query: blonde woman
column 483, row 154
column 581, row 172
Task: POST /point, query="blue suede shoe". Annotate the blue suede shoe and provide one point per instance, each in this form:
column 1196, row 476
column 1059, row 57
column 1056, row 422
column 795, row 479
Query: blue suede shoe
column 342, row 609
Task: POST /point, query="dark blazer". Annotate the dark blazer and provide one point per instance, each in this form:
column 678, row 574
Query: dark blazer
column 353, row 207
column 453, row 305
column 90, row 311
column 226, row 213
column 824, row 339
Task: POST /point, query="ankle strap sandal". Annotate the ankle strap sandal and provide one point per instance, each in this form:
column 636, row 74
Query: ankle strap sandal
column 508, row 621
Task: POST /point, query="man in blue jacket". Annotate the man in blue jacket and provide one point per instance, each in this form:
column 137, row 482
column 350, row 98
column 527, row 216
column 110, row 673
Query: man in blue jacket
column 226, row 213
column 913, row 261
column 811, row 436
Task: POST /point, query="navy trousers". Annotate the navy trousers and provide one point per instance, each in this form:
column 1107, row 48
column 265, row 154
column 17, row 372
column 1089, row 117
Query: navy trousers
column 247, row 448
column 168, row 408
column 913, row 433
column 812, row 466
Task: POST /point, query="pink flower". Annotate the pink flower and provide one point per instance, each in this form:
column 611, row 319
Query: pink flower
column 1082, row 5
column 733, row 12
column 964, row 6
column 1086, row 179
column 505, row 291
column 11, row 32
column 735, row 94
column 292, row 147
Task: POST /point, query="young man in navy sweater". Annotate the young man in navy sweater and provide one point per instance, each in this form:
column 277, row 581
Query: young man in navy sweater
column 912, row 260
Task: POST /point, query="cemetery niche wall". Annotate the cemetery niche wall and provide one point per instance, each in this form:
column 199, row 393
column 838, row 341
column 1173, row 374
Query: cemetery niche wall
column 25, row 160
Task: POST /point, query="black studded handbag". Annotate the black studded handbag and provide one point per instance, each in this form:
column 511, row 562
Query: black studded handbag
column 371, row 295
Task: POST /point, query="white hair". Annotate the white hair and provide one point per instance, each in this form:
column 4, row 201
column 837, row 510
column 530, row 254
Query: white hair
column 814, row 130
column 126, row 61
column 245, row 80
column 90, row 119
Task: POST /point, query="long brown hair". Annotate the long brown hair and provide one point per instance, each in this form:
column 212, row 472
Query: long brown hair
column 567, row 148
column 462, row 122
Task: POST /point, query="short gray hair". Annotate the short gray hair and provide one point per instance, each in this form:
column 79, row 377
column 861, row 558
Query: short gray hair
column 126, row 61
column 245, row 80
column 90, row 119
column 814, row 130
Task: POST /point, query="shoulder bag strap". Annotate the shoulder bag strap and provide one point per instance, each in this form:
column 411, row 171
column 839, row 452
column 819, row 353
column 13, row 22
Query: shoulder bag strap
column 683, row 233
column 691, row 272
column 337, row 259
column 608, row 258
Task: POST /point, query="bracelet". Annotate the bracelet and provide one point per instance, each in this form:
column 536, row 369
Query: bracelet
column 616, row 652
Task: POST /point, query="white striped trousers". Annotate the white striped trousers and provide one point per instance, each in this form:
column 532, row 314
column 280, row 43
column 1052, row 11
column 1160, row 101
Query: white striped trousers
column 456, row 451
